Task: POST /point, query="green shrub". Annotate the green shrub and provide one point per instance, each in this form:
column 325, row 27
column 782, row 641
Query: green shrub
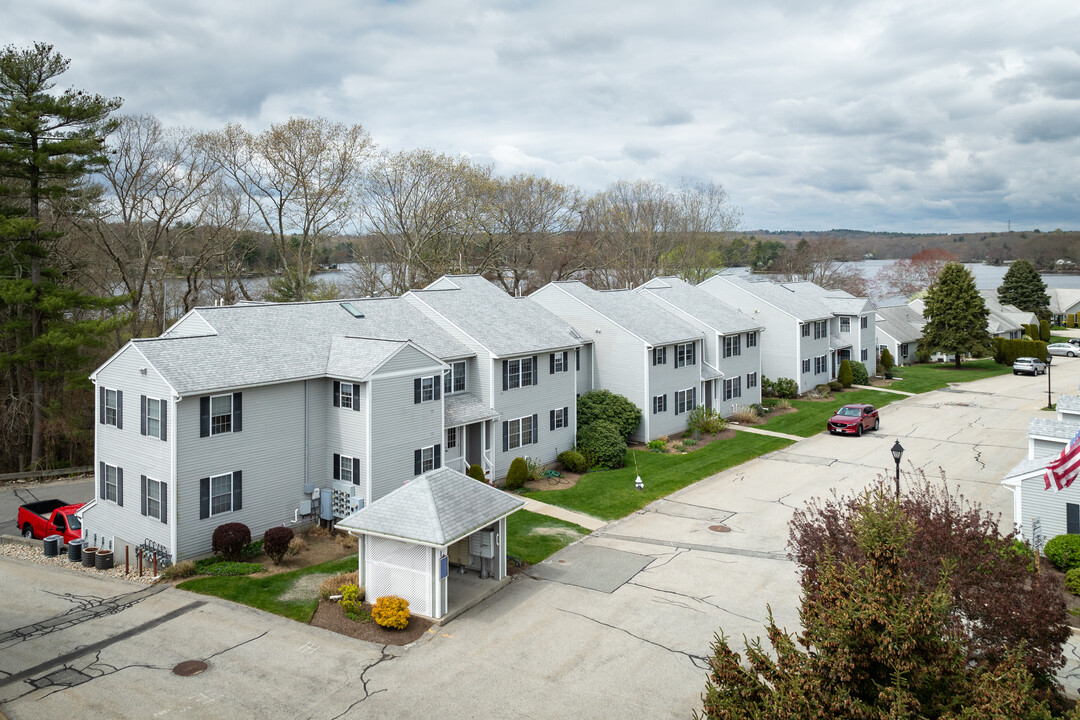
column 477, row 473
column 573, row 461
column 705, row 420
column 688, row 442
column 602, row 444
column 391, row 611
column 253, row 549
column 1072, row 581
column 1044, row 330
column 859, row 374
column 276, row 543
column 229, row 540
column 227, row 568
column 1063, row 551
column 1070, row 320
column 352, row 597
column 823, row 390
column 533, row 469
column 786, row 388
column 605, row 405
column 845, row 375
column 886, row 363
column 517, row 474
column 768, row 388
column 836, row 385
column 182, row 569
column 1012, row 349
column 657, row 445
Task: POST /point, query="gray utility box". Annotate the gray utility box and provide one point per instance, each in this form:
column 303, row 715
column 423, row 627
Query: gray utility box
column 482, row 544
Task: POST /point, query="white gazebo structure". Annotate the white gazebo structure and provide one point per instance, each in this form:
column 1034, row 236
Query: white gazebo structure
column 409, row 538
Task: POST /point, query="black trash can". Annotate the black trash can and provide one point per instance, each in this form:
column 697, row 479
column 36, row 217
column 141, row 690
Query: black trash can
column 75, row 550
column 52, row 545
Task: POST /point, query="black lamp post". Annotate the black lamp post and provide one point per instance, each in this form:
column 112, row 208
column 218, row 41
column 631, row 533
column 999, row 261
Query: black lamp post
column 1049, row 405
column 897, row 453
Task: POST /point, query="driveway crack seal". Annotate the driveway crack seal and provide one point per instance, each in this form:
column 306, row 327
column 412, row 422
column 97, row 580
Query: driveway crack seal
column 383, row 658
column 691, row 546
column 698, row 661
column 94, row 647
column 89, row 608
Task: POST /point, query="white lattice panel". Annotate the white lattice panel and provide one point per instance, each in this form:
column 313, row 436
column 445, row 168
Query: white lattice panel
column 398, row 568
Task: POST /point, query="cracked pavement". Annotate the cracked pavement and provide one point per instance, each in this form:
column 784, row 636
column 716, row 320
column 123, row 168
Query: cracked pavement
column 536, row 649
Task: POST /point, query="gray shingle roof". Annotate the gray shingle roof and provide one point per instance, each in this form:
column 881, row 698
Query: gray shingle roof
column 1068, row 403
column 1055, row 429
column 1027, row 466
column 268, row 343
column 503, row 324
column 1063, row 300
column 464, row 408
column 699, row 304
column 840, row 302
column 803, row 306
column 900, row 322
column 708, row 372
column 437, row 508
column 639, row 315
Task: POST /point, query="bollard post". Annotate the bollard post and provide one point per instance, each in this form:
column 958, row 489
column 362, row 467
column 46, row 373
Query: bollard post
column 127, row 560
column 155, row 566
column 139, row 554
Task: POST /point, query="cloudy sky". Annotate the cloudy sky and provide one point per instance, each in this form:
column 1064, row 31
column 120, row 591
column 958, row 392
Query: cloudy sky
column 906, row 116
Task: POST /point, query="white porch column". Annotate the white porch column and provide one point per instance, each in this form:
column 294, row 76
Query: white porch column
column 362, row 567
column 500, row 550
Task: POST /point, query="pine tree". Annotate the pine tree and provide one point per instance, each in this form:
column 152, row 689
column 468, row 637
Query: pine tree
column 48, row 142
column 1024, row 288
column 955, row 316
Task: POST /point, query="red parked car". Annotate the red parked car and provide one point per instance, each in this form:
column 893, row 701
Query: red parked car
column 853, row 419
column 50, row 517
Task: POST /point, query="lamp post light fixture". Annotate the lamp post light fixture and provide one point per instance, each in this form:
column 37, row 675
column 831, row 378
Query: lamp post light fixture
column 897, row 453
column 1049, row 405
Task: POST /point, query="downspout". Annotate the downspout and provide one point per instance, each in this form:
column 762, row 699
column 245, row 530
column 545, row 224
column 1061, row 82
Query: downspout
column 307, row 450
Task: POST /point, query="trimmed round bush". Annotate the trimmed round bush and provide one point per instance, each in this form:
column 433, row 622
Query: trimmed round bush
column 1064, row 552
column 887, row 363
column 276, row 543
column 836, row 385
column 1072, row 581
column 573, row 461
column 845, row 375
column 230, row 539
column 786, row 388
column 859, row 373
column 390, row 611
column 477, row 473
column 609, row 407
column 517, row 474
column 602, row 444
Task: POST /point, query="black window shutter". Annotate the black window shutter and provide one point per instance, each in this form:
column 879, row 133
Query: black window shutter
column 566, row 417
column 101, row 480
column 164, row 503
column 438, row 457
column 535, row 428
column 654, row 356
column 506, row 436
column 142, row 484
column 356, row 471
column 1072, row 518
column 693, row 398
column 204, row 498
column 142, row 416
column 506, row 381
column 436, row 383
column 101, row 404
column 237, row 490
column 417, row 462
column 416, row 390
column 577, row 358
column 536, row 370
column 164, row 419
column 551, row 364
column 204, row 416
column 356, row 397
column 565, row 359
column 552, row 420
column 237, row 412
column 337, row 466
column 119, row 409
column 337, row 393
column 120, row 486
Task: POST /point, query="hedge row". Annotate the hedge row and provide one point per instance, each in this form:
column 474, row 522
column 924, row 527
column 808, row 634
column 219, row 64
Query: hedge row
column 1006, row 351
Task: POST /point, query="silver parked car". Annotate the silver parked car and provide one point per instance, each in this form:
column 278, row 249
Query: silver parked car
column 1029, row 366
column 1066, row 349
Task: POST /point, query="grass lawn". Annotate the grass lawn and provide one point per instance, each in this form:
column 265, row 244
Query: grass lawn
column 812, row 415
column 262, row 593
column 611, row 495
column 934, row 376
column 532, row 537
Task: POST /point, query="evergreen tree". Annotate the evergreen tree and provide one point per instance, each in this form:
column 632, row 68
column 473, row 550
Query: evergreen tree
column 955, row 316
column 48, row 142
column 1023, row 287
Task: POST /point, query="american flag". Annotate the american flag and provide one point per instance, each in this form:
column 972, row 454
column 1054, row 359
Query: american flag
column 1062, row 471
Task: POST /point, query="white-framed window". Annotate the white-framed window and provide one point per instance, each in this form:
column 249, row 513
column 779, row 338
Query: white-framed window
column 659, row 355
column 731, row 346
column 221, row 414
column 112, row 484
column 454, row 378
column 820, row 329
column 904, row 350
column 659, row 404
column 806, row 329
column 821, row 364
column 864, row 322
column 427, row 389
column 845, row 323
column 519, row 432
column 153, row 417
column 345, row 468
column 559, row 418
column 558, row 362
column 221, row 494
column 427, row 459
column 862, row 353
column 684, row 400
column 751, row 339
column 751, row 380
column 732, row 387
column 155, row 491
column 345, row 395
column 112, row 405
column 806, row 365
column 685, row 354
column 519, row 373
column 451, row 438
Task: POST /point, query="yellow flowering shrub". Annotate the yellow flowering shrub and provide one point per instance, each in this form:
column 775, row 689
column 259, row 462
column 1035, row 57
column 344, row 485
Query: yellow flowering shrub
column 390, row 611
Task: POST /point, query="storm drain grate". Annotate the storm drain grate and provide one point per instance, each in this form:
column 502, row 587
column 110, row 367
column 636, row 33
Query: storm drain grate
column 720, row 528
column 189, row 668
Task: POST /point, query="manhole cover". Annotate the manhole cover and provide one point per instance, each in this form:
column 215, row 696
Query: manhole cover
column 189, row 668
column 720, row 528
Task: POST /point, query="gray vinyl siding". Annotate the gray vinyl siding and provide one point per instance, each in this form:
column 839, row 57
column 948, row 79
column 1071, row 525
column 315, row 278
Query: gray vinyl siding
column 478, row 379
column 867, row 342
column 749, row 361
column 409, row 358
column 192, row 324
column 550, row 392
column 1045, row 448
column 1046, row 505
column 811, row 348
column 320, row 410
column 584, row 375
column 399, row 427
column 666, row 380
column 269, row 451
column 135, row 453
column 345, row 434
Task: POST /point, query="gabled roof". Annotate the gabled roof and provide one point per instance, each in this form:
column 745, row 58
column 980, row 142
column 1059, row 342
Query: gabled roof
column 1053, row 429
column 1064, row 300
column 699, row 304
column 1068, row 404
column 503, row 324
column 437, row 508
column 804, row 307
column 639, row 316
column 708, row 372
column 1027, row 468
column 900, row 322
column 464, row 408
column 840, row 302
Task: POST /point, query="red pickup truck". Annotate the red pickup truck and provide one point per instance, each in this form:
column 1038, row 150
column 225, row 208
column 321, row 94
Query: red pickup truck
column 50, row 517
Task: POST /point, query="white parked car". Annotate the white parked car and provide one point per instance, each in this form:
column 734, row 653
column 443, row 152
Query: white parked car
column 1029, row 366
column 1066, row 349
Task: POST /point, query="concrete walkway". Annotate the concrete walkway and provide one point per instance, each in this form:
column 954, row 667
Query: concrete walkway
column 888, row 390
column 588, row 522
column 759, row 431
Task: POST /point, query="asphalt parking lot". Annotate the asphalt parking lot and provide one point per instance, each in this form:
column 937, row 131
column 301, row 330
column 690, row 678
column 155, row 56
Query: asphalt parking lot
column 617, row 624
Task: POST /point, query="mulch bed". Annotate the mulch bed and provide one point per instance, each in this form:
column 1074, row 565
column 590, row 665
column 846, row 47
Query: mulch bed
column 331, row 617
column 1072, row 602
